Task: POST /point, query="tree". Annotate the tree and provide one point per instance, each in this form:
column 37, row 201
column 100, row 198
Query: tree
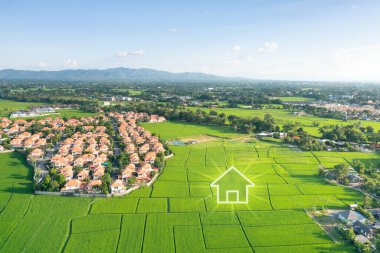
column 367, row 201
column 61, row 180
column 370, row 129
column 106, row 181
column 46, row 182
column 340, row 172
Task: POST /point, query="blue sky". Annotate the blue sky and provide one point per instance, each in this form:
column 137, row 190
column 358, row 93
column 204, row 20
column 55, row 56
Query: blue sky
column 287, row 39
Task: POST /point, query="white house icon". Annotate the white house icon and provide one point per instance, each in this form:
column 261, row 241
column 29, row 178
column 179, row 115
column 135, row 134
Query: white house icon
column 232, row 187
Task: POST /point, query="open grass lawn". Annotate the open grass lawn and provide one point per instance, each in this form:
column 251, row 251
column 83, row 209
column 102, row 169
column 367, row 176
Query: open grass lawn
column 179, row 212
column 8, row 106
column 177, row 130
column 283, row 116
column 297, row 99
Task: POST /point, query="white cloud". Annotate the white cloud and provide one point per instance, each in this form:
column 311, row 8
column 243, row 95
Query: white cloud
column 125, row 54
column 41, row 65
column 236, row 48
column 173, row 30
column 70, row 63
column 268, row 47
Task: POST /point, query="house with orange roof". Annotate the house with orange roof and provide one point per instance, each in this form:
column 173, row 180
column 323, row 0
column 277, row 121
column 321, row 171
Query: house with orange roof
column 134, row 158
column 130, row 149
column 140, row 140
column 88, row 128
column 97, row 161
column 158, row 147
column 41, row 142
column 92, row 150
column 150, row 157
column 68, row 141
column 76, row 150
column 88, row 158
column 55, row 158
column 100, row 129
column 62, row 162
column 104, row 157
column 144, row 148
column 117, row 187
column 84, row 174
column 35, row 137
column 25, row 135
column 67, row 172
column 37, row 154
column 16, row 143
column 103, row 148
column 98, row 174
column 128, row 172
column 94, row 186
column 72, row 185
column 104, row 141
column 153, row 140
column 70, row 158
column 147, row 134
column 79, row 162
column 28, row 143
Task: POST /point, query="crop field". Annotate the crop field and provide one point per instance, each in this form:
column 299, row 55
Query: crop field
column 295, row 99
column 8, row 106
column 179, row 213
column 177, row 130
column 283, row 116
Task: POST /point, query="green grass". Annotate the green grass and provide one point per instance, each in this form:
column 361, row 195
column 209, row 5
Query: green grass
column 224, row 236
column 179, row 212
column 295, row 99
column 152, row 205
column 114, row 205
column 8, row 106
column 185, row 205
column 283, row 116
column 286, row 235
column 177, row 130
column 94, row 223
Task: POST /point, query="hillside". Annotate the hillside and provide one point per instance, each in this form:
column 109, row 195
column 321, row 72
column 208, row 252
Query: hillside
column 115, row 74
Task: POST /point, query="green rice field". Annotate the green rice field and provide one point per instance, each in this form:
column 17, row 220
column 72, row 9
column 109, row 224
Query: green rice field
column 283, row 116
column 179, row 213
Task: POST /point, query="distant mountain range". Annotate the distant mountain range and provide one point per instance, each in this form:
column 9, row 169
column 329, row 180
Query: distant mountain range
column 114, row 74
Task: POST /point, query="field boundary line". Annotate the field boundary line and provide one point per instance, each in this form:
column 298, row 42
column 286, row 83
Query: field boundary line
column 18, row 223
column 206, row 158
column 278, row 174
column 143, row 237
column 291, row 245
column 94, row 231
column 187, row 158
column 270, row 200
column 225, row 156
column 120, row 227
column 316, row 157
column 296, row 185
column 90, row 206
column 203, row 234
column 137, row 205
column 175, row 245
column 69, row 235
column 6, row 204
column 245, row 235
column 257, row 152
column 204, row 202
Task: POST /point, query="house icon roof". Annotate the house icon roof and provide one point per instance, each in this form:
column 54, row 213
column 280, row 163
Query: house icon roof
column 225, row 187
